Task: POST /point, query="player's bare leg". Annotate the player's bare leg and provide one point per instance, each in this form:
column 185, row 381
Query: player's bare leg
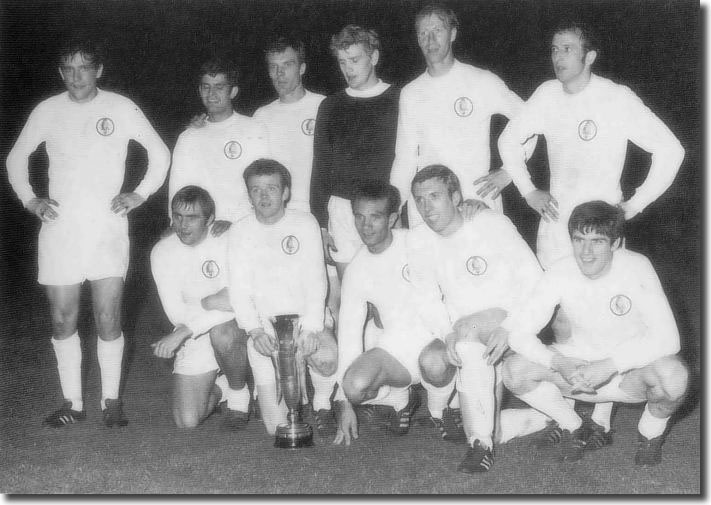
column 64, row 310
column 194, row 398
column 322, row 367
column 106, row 295
column 438, row 380
column 229, row 343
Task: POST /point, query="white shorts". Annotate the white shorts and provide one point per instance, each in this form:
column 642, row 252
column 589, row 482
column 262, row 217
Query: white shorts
column 80, row 247
column 341, row 226
column 404, row 348
column 195, row 357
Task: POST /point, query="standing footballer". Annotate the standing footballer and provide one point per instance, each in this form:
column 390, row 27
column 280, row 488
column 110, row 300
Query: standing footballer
column 84, row 234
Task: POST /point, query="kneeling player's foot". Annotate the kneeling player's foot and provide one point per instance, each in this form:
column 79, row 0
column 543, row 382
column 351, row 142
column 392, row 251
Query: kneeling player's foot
column 400, row 421
column 325, row 422
column 234, row 419
column 550, row 437
column 478, row 459
column 452, row 428
column 649, row 452
column 113, row 414
column 572, row 445
column 64, row 416
column 595, row 435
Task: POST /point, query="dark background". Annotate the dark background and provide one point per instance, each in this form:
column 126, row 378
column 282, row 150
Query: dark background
column 155, row 48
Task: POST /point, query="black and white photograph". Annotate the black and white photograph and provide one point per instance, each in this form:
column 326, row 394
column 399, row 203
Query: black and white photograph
column 347, row 247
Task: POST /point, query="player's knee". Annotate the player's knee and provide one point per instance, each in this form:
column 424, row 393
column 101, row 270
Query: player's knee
column 109, row 324
column 325, row 361
column 354, row 387
column 672, row 375
column 516, row 372
column 434, row 369
column 64, row 320
column 227, row 338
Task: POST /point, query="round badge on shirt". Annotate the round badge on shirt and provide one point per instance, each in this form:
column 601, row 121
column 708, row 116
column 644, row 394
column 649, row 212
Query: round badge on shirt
column 290, row 244
column 476, row 265
column 406, row 272
column 105, row 126
column 463, row 106
column 233, row 150
column 587, row 129
column 308, row 126
column 620, row 305
column 210, row 269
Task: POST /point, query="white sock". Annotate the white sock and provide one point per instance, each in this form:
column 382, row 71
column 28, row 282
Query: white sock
column 475, row 383
column 68, row 353
column 520, row 422
column 548, row 399
column 237, row 399
column 273, row 413
column 110, row 356
column 602, row 414
column 323, row 389
column 437, row 398
column 651, row 427
column 397, row 398
column 383, row 393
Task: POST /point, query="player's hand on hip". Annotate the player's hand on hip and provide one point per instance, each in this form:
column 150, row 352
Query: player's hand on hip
column 166, row 346
column 543, row 203
column 328, row 246
column 451, row 341
column 471, row 207
column 347, row 424
column 220, row 227
column 628, row 210
column 308, row 343
column 125, row 202
column 263, row 342
column 43, row 209
column 570, row 370
column 598, row 372
column 493, row 183
column 496, row 346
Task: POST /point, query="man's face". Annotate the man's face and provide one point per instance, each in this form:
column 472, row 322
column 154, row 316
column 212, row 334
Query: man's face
column 374, row 223
column 568, row 57
column 593, row 253
column 436, row 206
column 357, row 66
column 217, row 94
column 435, row 38
column 190, row 223
column 80, row 76
column 285, row 71
column 267, row 195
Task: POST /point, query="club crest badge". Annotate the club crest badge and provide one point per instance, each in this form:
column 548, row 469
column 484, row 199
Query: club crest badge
column 587, row 129
column 406, row 272
column 290, row 245
column 210, row 269
column 308, row 126
column 620, row 305
column 476, row 265
column 463, row 106
column 233, row 150
column 105, row 127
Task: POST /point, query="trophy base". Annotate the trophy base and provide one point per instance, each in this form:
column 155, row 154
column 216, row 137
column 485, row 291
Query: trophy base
column 294, row 436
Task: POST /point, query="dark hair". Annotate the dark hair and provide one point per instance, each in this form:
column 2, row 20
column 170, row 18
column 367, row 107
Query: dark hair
column 188, row 196
column 441, row 11
column 281, row 44
column 353, row 34
column 373, row 189
column 264, row 166
column 219, row 66
column 588, row 38
column 599, row 217
column 90, row 49
column 440, row 172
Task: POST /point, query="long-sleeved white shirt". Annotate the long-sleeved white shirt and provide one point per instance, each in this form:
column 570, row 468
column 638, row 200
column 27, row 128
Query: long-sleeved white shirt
column 484, row 264
column 623, row 315
column 214, row 157
column 86, row 144
column 185, row 275
column 277, row 269
column 290, row 127
column 586, row 134
column 384, row 280
column 447, row 120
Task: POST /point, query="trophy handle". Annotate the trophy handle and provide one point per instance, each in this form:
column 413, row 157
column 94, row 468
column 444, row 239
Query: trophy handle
column 277, row 374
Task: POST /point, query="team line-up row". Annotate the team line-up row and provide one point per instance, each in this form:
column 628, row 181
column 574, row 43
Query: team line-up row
column 260, row 205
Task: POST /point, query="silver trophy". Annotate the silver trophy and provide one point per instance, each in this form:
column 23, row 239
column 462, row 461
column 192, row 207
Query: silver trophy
column 290, row 370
